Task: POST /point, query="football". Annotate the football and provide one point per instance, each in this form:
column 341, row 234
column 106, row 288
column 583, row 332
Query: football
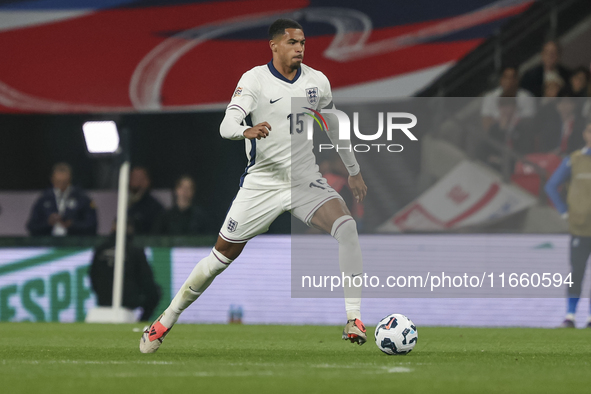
column 396, row 335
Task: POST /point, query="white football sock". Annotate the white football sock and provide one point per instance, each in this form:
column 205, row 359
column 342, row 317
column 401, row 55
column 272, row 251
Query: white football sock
column 198, row 281
column 344, row 230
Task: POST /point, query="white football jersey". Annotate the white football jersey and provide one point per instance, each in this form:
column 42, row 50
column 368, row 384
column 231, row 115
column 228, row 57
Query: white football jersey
column 266, row 95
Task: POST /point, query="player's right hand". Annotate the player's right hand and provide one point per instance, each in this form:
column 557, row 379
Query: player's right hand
column 259, row 131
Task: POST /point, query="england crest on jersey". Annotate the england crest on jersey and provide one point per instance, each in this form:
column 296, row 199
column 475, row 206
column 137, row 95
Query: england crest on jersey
column 232, row 225
column 312, row 95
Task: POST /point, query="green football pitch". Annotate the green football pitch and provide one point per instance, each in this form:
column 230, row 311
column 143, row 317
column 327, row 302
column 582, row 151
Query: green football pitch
column 88, row 358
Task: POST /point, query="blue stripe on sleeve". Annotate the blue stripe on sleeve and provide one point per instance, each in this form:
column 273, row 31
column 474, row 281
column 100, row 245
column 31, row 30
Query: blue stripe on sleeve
column 561, row 175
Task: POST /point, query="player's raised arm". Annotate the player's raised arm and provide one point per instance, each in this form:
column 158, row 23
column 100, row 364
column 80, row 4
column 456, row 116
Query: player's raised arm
column 231, row 126
column 243, row 102
column 356, row 182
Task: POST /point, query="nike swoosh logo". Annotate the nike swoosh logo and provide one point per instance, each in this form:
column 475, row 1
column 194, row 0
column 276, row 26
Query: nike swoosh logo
column 274, row 101
column 352, row 276
column 194, row 291
column 390, row 323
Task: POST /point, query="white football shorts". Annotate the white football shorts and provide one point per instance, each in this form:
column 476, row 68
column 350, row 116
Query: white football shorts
column 253, row 211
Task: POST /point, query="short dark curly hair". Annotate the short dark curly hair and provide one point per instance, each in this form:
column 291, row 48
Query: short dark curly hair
column 278, row 27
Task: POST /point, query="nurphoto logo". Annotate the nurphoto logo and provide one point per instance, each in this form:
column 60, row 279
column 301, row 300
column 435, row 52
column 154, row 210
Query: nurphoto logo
column 393, row 122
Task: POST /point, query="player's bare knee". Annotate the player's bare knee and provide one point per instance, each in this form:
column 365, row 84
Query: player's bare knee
column 324, row 218
column 229, row 249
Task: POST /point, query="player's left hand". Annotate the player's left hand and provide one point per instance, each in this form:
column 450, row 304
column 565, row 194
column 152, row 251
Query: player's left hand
column 358, row 187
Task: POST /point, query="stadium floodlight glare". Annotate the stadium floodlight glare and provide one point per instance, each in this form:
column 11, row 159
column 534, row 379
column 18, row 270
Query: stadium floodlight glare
column 101, row 137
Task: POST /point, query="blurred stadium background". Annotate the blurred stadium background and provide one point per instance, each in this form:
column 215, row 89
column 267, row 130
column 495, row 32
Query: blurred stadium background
column 166, row 70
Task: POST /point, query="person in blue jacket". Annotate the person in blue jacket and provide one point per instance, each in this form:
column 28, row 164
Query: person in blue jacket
column 575, row 171
column 63, row 209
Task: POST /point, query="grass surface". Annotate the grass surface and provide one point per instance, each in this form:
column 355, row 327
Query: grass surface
column 87, row 358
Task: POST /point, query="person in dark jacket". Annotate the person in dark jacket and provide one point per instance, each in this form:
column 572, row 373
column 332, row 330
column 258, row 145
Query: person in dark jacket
column 184, row 218
column 63, row 209
column 510, row 130
column 533, row 80
column 143, row 208
column 140, row 290
column 579, row 82
column 559, row 126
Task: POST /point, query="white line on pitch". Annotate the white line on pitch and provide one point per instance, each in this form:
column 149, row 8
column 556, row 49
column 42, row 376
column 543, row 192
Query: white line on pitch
column 4, row 362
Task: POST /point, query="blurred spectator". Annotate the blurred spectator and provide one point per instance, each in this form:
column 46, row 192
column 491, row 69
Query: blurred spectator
column 559, row 125
column 508, row 130
column 63, row 209
column 143, row 207
column 553, row 85
column 508, row 87
column 579, row 82
column 184, row 218
column 139, row 287
column 535, row 78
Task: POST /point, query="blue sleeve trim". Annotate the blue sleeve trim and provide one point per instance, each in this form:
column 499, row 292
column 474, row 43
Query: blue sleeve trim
column 561, row 175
